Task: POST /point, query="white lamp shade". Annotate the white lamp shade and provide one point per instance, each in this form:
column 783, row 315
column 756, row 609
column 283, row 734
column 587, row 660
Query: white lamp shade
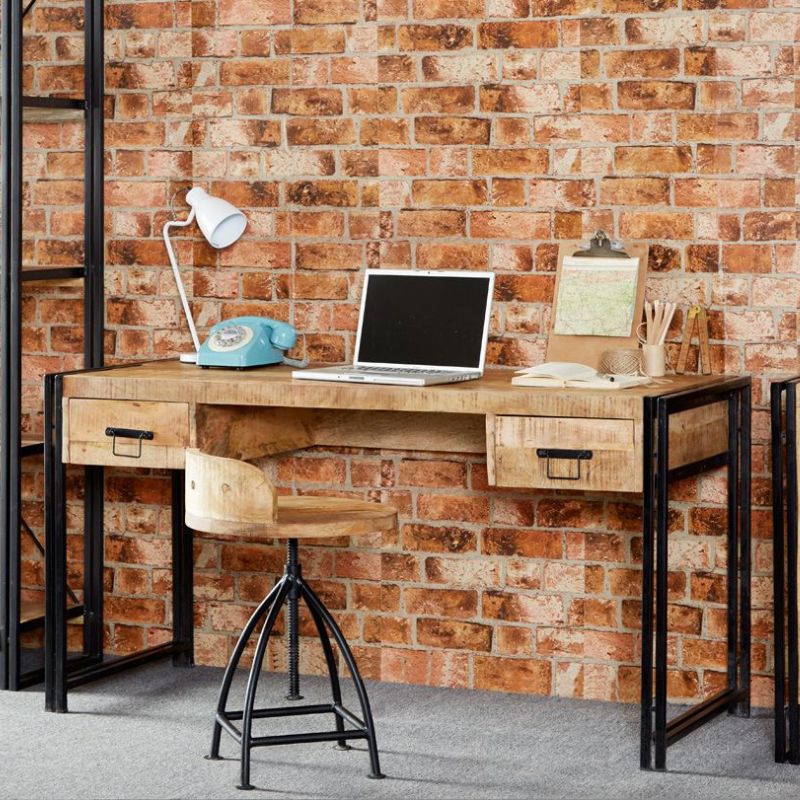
column 220, row 221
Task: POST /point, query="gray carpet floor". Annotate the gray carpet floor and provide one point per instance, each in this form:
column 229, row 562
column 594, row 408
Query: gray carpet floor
column 143, row 735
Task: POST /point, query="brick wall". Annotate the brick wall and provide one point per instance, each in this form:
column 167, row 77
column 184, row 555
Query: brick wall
column 436, row 134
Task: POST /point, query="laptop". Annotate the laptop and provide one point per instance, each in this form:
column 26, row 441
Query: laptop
column 417, row 328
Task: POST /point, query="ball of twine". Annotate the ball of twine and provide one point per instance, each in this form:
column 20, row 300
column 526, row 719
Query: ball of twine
column 621, row 361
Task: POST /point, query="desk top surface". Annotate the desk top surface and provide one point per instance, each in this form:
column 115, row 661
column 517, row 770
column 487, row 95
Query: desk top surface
column 170, row 380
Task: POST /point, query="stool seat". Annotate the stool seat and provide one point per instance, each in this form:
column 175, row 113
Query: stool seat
column 306, row 518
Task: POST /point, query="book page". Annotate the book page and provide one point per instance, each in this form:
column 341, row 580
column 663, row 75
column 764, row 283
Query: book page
column 596, row 297
column 562, row 370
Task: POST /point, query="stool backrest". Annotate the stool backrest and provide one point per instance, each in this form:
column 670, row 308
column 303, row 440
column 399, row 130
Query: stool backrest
column 228, row 496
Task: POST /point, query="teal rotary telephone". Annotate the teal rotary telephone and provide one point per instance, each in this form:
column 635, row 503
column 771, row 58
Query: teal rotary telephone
column 246, row 342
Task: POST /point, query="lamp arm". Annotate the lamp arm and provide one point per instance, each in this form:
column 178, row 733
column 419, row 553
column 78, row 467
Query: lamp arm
column 181, row 291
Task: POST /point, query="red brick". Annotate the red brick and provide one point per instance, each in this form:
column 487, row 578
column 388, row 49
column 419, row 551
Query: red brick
column 323, row 193
column 642, row 63
column 439, row 539
column 537, row 609
column 463, row 572
column 529, row 34
column 635, row 191
column 448, row 9
column 311, row 40
column 434, row 37
column 431, row 223
column 451, row 130
column 328, row 256
column 655, row 94
column 649, row 160
column 307, row 102
column 449, row 193
column 441, row 602
column 450, row 634
column 512, row 675
column 704, row 127
column 385, row 132
column 657, row 225
column 510, row 225
column 708, row 193
column 452, row 256
column 438, row 100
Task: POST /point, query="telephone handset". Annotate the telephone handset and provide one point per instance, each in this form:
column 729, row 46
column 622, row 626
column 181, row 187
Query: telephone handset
column 246, row 342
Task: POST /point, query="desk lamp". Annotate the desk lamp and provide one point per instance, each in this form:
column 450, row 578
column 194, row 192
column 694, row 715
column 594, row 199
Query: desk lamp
column 222, row 224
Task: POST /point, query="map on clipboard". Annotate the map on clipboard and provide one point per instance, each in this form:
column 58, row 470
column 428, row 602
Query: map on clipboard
column 596, row 297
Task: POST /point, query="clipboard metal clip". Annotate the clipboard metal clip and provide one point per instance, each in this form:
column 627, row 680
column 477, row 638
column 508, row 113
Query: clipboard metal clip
column 602, row 247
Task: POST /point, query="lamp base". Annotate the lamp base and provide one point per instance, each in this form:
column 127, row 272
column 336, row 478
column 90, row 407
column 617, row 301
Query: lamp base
column 188, row 358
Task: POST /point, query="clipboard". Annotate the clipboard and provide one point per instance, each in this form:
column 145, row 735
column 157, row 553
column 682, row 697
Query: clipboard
column 587, row 349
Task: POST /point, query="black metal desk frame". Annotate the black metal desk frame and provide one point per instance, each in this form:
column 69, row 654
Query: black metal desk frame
column 62, row 672
column 783, row 406
column 657, row 733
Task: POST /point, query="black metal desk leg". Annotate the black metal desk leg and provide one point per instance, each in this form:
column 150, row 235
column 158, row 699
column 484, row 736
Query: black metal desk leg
column 732, row 578
column 646, row 724
column 743, row 708
column 791, row 574
column 93, row 559
column 182, row 577
column 779, row 585
column 662, row 565
column 56, row 554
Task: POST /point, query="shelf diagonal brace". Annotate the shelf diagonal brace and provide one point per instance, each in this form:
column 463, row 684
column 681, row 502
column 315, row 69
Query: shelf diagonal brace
column 27, row 8
column 40, row 547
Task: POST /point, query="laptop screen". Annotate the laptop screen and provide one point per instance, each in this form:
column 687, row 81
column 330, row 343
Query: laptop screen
column 424, row 319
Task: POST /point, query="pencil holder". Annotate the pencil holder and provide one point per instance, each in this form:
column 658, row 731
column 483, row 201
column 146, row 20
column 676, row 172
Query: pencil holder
column 654, row 360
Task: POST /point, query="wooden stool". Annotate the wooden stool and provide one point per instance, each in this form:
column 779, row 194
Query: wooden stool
column 226, row 497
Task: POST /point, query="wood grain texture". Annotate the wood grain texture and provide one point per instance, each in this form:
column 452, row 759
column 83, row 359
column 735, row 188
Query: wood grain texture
column 85, row 440
column 246, row 432
column 230, row 498
column 450, row 433
column 698, row 433
column 612, row 467
column 273, row 386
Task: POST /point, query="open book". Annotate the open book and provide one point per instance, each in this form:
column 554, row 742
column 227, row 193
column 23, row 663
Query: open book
column 578, row 376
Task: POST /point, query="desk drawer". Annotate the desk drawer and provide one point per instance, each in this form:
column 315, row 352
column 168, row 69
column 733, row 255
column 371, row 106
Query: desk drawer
column 563, row 453
column 87, row 439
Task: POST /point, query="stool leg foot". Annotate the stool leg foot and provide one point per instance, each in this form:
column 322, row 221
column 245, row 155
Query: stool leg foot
column 245, row 787
column 252, row 683
column 315, row 605
column 233, row 663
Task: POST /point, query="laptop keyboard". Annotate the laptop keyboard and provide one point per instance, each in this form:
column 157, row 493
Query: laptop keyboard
column 403, row 370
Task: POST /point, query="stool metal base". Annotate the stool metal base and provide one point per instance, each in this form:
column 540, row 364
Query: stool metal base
column 292, row 587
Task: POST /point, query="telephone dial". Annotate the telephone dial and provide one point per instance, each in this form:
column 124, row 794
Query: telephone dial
column 246, row 342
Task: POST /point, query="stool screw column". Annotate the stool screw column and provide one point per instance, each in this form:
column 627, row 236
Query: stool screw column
column 293, row 573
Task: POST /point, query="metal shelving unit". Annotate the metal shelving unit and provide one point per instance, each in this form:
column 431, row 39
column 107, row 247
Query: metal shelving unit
column 17, row 617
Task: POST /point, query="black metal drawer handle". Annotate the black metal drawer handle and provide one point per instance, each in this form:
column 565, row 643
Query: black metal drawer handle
column 572, row 455
column 128, row 433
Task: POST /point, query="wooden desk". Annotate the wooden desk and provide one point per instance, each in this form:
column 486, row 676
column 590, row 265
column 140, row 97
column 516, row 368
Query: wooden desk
column 633, row 440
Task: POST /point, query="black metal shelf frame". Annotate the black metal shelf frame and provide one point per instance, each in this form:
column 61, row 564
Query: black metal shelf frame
column 657, row 732
column 12, row 275
column 783, row 407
